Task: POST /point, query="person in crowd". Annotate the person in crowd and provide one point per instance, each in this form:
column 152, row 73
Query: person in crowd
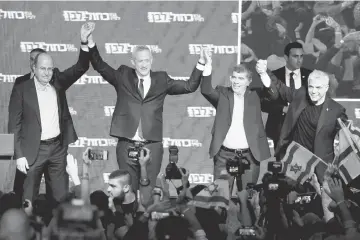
column 312, row 117
column 293, row 76
column 137, row 118
column 39, row 118
column 238, row 129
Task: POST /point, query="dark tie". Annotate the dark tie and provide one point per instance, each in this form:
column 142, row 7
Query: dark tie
column 292, row 81
column 141, row 90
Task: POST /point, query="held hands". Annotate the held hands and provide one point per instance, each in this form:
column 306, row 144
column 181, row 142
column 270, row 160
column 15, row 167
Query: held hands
column 205, row 56
column 86, row 31
column 22, row 164
column 261, row 66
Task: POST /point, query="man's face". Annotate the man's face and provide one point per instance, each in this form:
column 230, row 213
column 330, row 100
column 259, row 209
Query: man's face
column 116, row 188
column 43, row 70
column 142, row 62
column 239, row 81
column 317, row 88
column 295, row 58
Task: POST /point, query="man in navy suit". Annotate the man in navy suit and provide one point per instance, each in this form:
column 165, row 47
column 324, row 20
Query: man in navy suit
column 238, row 129
column 39, row 118
column 139, row 106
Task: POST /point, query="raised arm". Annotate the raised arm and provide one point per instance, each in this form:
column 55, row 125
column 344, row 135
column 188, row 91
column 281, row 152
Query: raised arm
column 104, row 69
column 182, row 87
column 68, row 77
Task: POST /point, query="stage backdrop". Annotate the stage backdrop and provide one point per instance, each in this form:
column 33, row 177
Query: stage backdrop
column 174, row 31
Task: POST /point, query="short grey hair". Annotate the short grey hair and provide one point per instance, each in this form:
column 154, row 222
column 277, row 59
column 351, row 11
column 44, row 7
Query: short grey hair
column 140, row 48
column 317, row 74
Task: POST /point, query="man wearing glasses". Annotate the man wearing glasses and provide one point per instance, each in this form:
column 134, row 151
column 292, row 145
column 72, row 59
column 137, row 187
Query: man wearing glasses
column 40, row 120
column 312, row 116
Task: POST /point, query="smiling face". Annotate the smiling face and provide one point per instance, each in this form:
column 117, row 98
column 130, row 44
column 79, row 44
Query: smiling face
column 43, row 68
column 318, row 86
column 142, row 60
column 240, row 81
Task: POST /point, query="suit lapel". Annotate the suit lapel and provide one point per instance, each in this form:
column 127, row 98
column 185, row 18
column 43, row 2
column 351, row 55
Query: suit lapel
column 297, row 109
column 33, row 99
column 152, row 85
column 231, row 101
column 303, row 77
column 323, row 115
column 60, row 101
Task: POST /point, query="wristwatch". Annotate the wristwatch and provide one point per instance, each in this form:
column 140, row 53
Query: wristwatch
column 84, row 43
column 144, row 182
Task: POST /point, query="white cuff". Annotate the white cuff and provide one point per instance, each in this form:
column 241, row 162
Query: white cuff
column 91, row 44
column 85, row 48
column 265, row 79
column 200, row 67
column 207, row 70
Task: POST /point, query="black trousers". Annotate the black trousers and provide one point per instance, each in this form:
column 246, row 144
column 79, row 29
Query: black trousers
column 133, row 166
column 51, row 161
column 220, row 160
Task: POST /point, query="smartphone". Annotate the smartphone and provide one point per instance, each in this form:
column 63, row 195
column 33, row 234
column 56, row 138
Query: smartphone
column 273, row 186
column 159, row 215
column 246, row 232
column 98, row 154
column 304, row 198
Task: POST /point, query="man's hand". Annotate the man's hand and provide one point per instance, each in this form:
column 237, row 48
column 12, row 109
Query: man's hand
column 336, row 190
column 111, row 204
column 28, row 207
column 261, row 66
column 208, row 56
column 85, row 156
column 318, row 19
column 144, row 159
column 71, row 166
column 202, row 59
column 184, row 177
column 22, row 164
column 86, row 30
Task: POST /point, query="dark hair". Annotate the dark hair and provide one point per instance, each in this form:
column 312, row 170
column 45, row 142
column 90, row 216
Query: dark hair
column 175, row 227
column 290, row 46
column 121, row 173
column 38, row 50
column 240, row 68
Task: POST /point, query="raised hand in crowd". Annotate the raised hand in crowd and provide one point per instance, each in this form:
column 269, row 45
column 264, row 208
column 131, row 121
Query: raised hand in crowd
column 72, row 169
column 335, row 190
column 145, row 156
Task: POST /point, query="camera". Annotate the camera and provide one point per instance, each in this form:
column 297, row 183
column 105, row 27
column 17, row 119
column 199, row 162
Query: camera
column 237, row 166
column 97, row 154
column 134, row 151
column 246, row 232
column 172, row 171
column 274, row 167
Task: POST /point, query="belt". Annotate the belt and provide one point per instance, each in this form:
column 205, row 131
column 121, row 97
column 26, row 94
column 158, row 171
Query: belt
column 50, row 140
column 239, row 150
column 133, row 141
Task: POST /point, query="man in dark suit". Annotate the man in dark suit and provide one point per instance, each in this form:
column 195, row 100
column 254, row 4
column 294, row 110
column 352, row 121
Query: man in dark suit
column 39, row 118
column 293, row 76
column 138, row 112
column 312, row 116
column 238, row 129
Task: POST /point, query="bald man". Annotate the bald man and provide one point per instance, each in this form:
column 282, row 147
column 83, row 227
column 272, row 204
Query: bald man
column 40, row 120
column 312, row 116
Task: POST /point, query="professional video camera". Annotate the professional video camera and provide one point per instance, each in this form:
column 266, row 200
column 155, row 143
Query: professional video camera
column 172, row 171
column 134, row 151
column 237, row 166
column 76, row 219
column 274, row 183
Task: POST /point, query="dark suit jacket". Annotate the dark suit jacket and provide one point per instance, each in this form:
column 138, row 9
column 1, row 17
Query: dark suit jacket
column 22, row 79
column 275, row 108
column 327, row 127
column 130, row 107
column 24, row 112
column 222, row 98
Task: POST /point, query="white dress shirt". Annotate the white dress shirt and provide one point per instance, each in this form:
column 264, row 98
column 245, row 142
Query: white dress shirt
column 296, row 76
column 48, row 107
column 236, row 137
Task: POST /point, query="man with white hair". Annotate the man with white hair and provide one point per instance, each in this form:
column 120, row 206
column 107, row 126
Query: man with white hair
column 312, row 116
column 137, row 118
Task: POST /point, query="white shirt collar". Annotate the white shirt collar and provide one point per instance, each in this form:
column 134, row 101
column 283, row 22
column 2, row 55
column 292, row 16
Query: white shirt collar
column 296, row 72
column 146, row 78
